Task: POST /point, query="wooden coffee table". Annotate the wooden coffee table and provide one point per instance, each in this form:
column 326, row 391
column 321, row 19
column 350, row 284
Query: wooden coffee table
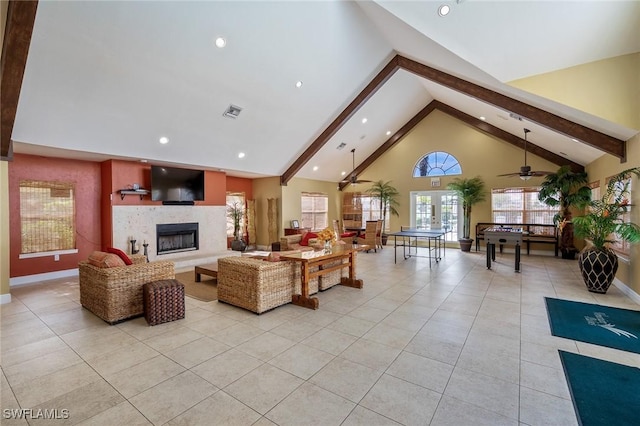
column 210, row 269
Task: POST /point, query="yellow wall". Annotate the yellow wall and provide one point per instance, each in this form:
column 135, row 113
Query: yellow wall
column 291, row 193
column 263, row 189
column 4, row 192
column 609, row 88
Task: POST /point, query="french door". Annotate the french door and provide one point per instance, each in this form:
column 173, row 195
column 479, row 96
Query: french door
column 435, row 210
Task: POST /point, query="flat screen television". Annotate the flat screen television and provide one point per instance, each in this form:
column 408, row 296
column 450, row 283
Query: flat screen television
column 170, row 184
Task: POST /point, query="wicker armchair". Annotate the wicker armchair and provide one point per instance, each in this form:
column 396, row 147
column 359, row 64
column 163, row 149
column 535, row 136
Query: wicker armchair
column 115, row 294
column 370, row 235
column 257, row 285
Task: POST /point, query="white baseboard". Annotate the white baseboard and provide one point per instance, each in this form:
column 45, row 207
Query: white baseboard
column 627, row 290
column 5, row 298
column 36, row 278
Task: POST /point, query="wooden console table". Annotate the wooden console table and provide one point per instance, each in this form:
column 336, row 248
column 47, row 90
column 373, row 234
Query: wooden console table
column 309, row 259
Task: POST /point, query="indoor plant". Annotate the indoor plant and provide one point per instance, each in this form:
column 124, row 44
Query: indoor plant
column 567, row 190
column 470, row 191
column 235, row 213
column 387, row 194
column 600, row 226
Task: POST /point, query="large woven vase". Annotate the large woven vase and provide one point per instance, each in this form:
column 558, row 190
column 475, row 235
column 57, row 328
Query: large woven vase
column 598, row 269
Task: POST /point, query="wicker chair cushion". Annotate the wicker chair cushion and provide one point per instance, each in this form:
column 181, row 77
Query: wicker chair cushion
column 101, row 259
column 126, row 259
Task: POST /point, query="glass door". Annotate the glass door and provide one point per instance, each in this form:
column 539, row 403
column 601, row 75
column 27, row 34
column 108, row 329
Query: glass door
column 435, row 210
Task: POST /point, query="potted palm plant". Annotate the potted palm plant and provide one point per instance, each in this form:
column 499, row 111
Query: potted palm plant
column 470, row 191
column 600, row 226
column 387, row 194
column 567, row 190
column 235, row 213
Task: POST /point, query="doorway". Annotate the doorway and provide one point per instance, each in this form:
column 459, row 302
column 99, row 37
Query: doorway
column 435, row 210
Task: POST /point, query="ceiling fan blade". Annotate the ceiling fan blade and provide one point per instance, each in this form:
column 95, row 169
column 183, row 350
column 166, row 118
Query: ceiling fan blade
column 362, row 181
column 510, row 174
column 540, row 173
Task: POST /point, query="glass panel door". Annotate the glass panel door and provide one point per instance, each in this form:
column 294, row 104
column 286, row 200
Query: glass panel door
column 435, row 210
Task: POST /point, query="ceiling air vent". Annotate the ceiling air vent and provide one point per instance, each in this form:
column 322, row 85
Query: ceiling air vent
column 342, row 145
column 232, row 111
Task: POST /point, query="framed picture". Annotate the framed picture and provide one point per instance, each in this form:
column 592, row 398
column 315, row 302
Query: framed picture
column 295, row 224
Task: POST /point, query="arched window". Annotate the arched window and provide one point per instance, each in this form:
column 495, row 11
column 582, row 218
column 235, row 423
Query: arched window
column 437, row 163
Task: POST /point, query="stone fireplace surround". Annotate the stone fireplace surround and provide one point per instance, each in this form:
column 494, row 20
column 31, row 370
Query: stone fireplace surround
column 139, row 223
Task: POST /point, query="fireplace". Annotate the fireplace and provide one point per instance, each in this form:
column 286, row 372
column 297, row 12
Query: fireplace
column 176, row 237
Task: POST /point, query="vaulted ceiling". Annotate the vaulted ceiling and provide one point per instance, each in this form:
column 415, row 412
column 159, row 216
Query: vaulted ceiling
column 108, row 79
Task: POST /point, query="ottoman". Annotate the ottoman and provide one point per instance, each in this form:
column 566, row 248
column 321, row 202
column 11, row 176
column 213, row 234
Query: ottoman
column 163, row 301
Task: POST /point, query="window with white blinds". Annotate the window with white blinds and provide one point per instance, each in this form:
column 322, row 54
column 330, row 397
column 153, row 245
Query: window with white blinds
column 47, row 216
column 520, row 205
column 621, row 246
column 315, row 210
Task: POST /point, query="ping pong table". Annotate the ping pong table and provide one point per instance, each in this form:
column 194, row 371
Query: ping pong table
column 408, row 238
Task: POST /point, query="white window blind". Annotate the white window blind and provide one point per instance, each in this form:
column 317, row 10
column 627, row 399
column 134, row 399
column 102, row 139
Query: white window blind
column 47, row 216
column 315, row 210
column 520, row 205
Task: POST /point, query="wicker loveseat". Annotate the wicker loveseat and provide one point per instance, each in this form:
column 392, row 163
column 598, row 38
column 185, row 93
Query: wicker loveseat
column 115, row 294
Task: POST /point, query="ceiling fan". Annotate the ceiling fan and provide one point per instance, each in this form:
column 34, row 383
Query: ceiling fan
column 525, row 172
column 353, row 178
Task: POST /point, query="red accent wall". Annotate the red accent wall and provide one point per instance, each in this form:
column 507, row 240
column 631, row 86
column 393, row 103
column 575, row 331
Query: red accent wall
column 87, row 177
column 236, row 184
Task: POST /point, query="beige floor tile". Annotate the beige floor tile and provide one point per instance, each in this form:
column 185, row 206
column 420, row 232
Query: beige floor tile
column 140, row 377
column 296, row 330
column 263, row 388
column 172, row 397
column 71, row 320
column 210, row 326
column 326, row 409
column 12, row 356
column 453, row 412
column 346, row 378
column 113, row 362
column 498, row 396
column 371, row 354
column 219, row 408
column 172, row 339
column 363, row 416
column 24, row 372
column 389, row 336
column 490, row 362
column 320, row 317
column 140, row 329
column 302, row 361
column 402, row 401
column 425, row 372
column 357, row 327
column 51, row 386
column 196, row 352
column 370, row 313
column 331, row 341
column 540, row 408
column 226, row 368
column 83, row 402
column 544, row 379
column 122, row 414
column 412, row 320
column 237, row 334
column 266, row 346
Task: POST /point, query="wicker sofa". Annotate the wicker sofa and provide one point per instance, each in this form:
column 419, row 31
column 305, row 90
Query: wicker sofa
column 258, row 285
column 115, row 294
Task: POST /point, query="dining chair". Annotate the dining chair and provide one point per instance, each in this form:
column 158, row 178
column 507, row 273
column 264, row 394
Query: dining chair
column 379, row 234
column 369, row 237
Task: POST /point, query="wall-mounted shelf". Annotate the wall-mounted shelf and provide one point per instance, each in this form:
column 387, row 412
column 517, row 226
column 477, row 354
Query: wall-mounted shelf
column 140, row 192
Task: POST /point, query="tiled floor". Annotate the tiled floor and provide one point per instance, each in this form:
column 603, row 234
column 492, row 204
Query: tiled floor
column 453, row 345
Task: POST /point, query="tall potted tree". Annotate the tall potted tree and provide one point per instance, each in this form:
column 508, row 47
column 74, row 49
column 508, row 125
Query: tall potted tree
column 388, row 196
column 600, row 226
column 470, row 191
column 567, row 190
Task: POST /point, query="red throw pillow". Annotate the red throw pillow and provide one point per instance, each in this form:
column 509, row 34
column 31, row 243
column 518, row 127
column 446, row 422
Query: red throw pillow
column 123, row 255
column 306, row 237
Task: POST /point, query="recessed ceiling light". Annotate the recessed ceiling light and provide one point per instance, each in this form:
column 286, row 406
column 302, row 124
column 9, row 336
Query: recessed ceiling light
column 164, row 140
column 364, row 120
column 143, row 161
column 241, row 155
column 298, row 84
column 388, row 132
column 343, row 173
column 221, row 42
column 483, row 118
column 444, row 10
column 575, row 140
column 315, row 168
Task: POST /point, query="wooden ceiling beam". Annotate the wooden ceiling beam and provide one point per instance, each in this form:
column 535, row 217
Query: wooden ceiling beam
column 491, row 130
column 21, row 16
column 598, row 140
column 378, row 81
column 393, row 140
